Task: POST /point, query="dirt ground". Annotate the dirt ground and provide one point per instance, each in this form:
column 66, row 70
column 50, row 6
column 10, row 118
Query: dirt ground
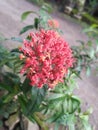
column 10, row 25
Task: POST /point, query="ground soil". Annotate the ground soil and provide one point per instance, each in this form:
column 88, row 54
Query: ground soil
column 11, row 24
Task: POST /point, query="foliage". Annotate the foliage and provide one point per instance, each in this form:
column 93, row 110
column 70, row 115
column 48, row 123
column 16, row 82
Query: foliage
column 88, row 18
column 38, row 2
column 86, row 54
column 40, row 21
column 57, row 105
column 91, row 5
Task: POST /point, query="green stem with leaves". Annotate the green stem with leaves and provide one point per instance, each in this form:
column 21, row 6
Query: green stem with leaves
column 39, row 122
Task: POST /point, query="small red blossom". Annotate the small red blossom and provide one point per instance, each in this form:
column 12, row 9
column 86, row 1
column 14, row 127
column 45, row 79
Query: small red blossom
column 21, row 56
column 53, row 23
column 47, row 58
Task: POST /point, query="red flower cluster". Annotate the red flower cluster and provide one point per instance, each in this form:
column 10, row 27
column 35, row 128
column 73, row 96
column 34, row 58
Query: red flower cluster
column 53, row 23
column 47, row 58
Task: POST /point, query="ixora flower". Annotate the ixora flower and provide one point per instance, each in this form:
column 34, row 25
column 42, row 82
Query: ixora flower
column 53, row 23
column 47, row 58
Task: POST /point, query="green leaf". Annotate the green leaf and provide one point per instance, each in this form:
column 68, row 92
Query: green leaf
column 71, row 126
column 37, row 97
column 26, row 86
column 69, row 119
column 94, row 26
column 6, row 115
column 89, row 43
column 87, row 126
column 54, row 117
column 36, row 23
column 11, row 82
column 76, row 98
column 47, row 7
column 73, row 104
column 97, row 48
column 56, row 96
column 15, row 79
column 23, row 103
column 25, row 29
column 15, row 51
column 92, row 53
column 9, row 97
column 65, row 105
column 3, row 62
column 6, row 87
column 70, row 105
column 56, row 126
column 84, row 119
column 39, row 2
column 25, row 14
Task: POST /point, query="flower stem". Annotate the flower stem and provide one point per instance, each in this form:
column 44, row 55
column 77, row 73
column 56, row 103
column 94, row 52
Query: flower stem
column 39, row 122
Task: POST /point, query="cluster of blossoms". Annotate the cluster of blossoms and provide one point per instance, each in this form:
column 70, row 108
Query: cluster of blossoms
column 47, row 58
column 53, row 23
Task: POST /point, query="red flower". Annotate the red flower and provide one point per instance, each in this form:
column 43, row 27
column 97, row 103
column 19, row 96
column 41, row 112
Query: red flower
column 21, row 56
column 53, row 23
column 47, row 58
